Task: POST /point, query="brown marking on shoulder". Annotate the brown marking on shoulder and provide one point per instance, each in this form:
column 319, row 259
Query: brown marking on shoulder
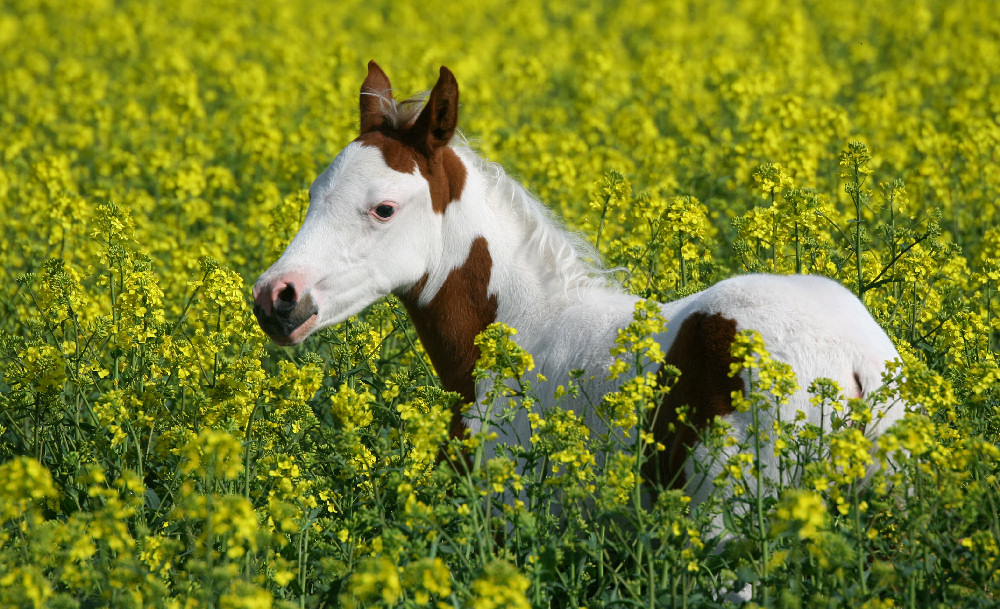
column 701, row 351
column 447, row 325
column 444, row 171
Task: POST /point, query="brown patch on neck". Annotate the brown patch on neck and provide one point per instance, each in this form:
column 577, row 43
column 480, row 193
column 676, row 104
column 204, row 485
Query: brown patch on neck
column 447, row 325
column 443, row 170
column 701, row 351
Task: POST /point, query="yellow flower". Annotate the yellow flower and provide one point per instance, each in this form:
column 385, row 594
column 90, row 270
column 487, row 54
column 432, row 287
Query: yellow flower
column 500, row 355
column 246, row 596
column 213, row 453
column 427, row 578
column 801, row 511
column 24, row 482
column 500, row 586
column 771, row 179
column 850, row 454
column 352, row 408
column 376, row 579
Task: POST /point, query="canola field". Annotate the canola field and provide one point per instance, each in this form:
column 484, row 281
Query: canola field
column 156, row 450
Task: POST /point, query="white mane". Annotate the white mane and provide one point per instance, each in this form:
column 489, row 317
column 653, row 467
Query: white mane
column 569, row 257
column 573, row 261
column 399, row 114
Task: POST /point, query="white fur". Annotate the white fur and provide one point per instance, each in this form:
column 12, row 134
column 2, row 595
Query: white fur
column 566, row 312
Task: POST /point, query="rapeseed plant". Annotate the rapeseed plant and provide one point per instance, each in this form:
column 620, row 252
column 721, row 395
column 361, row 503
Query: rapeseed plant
column 157, row 451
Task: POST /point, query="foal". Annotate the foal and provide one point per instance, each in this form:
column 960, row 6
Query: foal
column 405, row 210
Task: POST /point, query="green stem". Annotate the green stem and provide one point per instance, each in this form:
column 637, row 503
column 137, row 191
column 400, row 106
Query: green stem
column 651, row 582
column 600, row 226
column 774, row 236
column 759, row 475
column 303, row 561
column 862, row 557
column 680, row 256
column 798, row 243
column 858, row 205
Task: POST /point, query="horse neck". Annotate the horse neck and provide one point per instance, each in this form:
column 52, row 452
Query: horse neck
column 502, row 261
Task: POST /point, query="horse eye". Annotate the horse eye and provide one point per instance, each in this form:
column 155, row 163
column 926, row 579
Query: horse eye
column 384, row 211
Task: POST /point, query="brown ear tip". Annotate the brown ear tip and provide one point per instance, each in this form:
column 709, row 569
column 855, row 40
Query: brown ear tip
column 446, row 73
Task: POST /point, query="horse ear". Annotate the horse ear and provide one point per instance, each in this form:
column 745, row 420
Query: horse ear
column 375, row 91
column 437, row 121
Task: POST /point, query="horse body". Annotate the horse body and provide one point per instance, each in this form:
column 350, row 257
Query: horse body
column 404, row 210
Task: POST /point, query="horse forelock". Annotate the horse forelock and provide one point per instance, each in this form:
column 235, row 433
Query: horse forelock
column 399, row 115
column 443, row 169
column 402, row 150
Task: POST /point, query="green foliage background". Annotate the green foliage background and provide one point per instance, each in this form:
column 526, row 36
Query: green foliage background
column 156, row 450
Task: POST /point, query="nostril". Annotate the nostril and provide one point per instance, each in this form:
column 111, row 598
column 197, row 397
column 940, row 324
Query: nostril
column 285, row 299
column 287, row 293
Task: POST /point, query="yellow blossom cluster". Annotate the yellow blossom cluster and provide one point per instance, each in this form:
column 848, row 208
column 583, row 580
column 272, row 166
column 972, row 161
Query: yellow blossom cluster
column 157, row 450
